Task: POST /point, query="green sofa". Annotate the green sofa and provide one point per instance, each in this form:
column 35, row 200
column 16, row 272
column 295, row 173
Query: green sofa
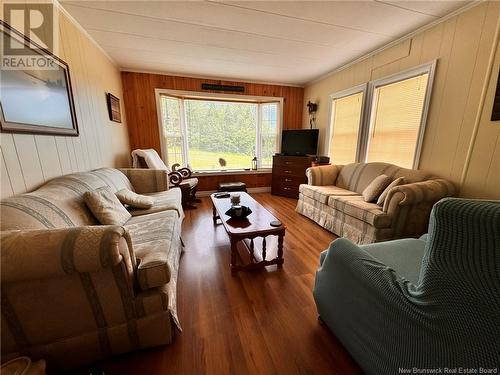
column 432, row 302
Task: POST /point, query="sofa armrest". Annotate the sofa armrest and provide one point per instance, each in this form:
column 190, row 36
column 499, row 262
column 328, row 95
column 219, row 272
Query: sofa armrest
column 346, row 267
column 322, row 175
column 49, row 253
column 429, row 191
column 146, row 180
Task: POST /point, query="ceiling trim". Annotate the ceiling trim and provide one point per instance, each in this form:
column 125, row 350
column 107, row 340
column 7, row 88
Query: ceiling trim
column 62, row 10
column 399, row 40
column 226, row 79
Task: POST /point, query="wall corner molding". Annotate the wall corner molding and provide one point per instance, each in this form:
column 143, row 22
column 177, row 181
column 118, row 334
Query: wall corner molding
column 63, row 11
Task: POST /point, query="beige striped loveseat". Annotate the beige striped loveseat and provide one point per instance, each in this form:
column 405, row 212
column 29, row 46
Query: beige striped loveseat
column 333, row 199
column 74, row 291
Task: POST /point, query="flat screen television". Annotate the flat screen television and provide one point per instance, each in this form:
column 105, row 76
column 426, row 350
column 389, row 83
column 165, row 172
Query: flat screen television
column 299, row 142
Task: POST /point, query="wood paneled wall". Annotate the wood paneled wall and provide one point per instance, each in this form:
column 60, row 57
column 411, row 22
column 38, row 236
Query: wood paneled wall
column 27, row 161
column 462, row 46
column 140, row 102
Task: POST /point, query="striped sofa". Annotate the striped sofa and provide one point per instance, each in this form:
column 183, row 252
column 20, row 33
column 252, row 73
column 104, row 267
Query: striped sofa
column 74, row 291
column 332, row 198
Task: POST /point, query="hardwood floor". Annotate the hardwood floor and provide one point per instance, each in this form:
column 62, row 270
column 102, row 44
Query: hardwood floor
column 263, row 322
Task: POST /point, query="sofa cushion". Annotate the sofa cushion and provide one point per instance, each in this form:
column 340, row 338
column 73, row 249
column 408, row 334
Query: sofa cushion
column 127, row 196
column 59, row 203
column 156, row 240
column 322, row 193
column 398, row 181
column 106, row 207
column 403, row 256
column 356, row 206
column 376, row 187
column 357, row 176
column 163, row 200
column 113, row 178
column 322, row 175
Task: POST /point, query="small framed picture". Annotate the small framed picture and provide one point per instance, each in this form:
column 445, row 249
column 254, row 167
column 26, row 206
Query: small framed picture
column 114, row 108
column 495, row 112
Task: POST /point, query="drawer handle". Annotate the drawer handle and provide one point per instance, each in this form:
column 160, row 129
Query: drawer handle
column 287, row 162
column 287, row 188
column 288, row 179
column 287, row 171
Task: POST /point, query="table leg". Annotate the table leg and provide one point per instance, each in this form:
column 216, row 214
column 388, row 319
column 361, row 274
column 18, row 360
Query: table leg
column 234, row 250
column 214, row 214
column 280, row 249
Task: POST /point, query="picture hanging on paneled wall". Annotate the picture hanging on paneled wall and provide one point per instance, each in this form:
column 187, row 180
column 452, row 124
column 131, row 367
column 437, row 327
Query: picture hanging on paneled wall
column 35, row 90
column 495, row 113
column 114, row 108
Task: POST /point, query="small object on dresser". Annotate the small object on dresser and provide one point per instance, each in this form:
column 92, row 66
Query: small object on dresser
column 222, row 195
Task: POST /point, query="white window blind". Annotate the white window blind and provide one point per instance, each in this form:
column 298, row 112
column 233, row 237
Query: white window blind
column 346, row 118
column 395, row 121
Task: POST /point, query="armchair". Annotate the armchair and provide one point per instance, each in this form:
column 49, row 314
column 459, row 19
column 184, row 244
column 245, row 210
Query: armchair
column 432, row 302
column 178, row 177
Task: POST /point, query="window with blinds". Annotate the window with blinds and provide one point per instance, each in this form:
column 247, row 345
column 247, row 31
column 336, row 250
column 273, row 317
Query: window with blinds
column 384, row 122
column 395, row 121
column 345, row 124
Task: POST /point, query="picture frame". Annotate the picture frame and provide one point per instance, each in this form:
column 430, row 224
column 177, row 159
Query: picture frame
column 35, row 100
column 495, row 111
column 114, row 108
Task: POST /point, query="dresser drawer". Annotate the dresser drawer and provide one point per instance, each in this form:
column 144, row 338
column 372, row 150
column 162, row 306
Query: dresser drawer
column 293, row 170
column 288, row 173
column 289, row 180
column 287, row 191
column 291, row 161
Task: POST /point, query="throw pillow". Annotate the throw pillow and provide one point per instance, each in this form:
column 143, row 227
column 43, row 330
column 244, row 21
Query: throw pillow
column 106, row 207
column 127, row 196
column 376, row 187
column 398, row 181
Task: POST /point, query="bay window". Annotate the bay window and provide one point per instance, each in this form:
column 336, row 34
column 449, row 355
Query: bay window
column 213, row 133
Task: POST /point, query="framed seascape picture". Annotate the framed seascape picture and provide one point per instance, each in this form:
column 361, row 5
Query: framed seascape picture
column 35, row 93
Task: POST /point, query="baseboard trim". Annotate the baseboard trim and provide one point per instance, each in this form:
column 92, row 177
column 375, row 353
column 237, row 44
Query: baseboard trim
column 262, row 189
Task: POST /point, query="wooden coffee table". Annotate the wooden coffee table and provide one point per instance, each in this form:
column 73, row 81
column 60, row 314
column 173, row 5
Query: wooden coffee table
column 248, row 236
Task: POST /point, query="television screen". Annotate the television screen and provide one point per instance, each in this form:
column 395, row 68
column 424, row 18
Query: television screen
column 300, row 142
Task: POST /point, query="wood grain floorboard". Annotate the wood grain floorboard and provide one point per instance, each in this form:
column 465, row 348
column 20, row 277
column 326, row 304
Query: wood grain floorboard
column 260, row 322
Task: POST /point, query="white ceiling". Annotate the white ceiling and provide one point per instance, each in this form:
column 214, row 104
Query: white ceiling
column 290, row 42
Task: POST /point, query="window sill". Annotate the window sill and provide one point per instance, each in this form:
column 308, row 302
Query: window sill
column 231, row 172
